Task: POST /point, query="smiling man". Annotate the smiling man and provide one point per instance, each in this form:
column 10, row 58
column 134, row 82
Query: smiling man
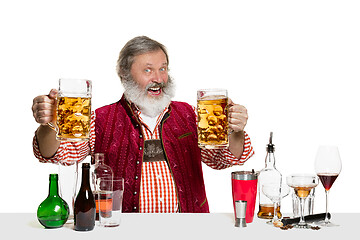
column 148, row 139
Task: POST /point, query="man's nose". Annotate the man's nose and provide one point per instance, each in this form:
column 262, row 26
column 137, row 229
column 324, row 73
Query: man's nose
column 157, row 77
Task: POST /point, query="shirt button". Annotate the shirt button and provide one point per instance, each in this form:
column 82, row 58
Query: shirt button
column 135, row 193
column 137, row 162
column 140, row 136
column 140, row 148
column 136, row 177
column 134, row 208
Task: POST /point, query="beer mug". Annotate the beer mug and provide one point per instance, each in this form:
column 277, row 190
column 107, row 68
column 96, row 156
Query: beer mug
column 212, row 112
column 73, row 110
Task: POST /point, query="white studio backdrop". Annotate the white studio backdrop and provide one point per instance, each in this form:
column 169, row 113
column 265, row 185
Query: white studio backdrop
column 293, row 64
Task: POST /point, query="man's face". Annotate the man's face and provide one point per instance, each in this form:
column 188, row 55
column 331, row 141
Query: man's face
column 149, row 86
column 149, row 71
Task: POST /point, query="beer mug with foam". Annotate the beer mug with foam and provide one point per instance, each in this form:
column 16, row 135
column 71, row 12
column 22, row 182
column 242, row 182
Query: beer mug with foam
column 212, row 113
column 73, row 110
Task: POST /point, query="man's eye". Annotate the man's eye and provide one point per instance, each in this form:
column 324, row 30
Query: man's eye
column 147, row 70
column 163, row 69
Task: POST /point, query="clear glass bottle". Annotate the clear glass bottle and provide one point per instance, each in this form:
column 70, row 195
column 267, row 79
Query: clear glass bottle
column 53, row 212
column 84, row 207
column 101, row 170
column 269, row 174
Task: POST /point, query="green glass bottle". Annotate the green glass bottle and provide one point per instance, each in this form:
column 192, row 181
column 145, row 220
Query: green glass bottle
column 53, row 212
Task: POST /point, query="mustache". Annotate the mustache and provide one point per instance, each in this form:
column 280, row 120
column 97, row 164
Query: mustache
column 133, row 88
column 156, row 85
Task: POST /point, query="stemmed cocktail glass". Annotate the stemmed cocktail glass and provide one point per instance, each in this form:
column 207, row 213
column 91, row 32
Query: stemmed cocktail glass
column 302, row 185
column 275, row 192
column 327, row 167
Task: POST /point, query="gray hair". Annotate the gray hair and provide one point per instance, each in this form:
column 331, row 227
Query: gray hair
column 136, row 46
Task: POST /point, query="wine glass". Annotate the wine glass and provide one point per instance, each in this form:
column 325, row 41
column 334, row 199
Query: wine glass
column 327, row 167
column 275, row 192
column 302, row 184
column 69, row 184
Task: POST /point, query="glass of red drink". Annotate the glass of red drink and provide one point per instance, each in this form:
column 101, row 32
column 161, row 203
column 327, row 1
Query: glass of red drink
column 327, row 167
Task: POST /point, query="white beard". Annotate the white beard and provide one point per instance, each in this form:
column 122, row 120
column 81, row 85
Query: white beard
column 150, row 106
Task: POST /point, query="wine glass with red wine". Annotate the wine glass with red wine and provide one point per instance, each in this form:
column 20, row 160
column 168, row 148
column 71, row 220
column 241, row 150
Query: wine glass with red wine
column 328, row 168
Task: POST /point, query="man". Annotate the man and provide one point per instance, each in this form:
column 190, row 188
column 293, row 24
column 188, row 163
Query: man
column 148, row 139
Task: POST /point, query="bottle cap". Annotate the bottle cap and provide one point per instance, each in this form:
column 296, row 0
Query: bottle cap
column 270, row 147
column 86, row 165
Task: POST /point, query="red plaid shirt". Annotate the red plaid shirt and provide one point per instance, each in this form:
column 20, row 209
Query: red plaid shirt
column 157, row 190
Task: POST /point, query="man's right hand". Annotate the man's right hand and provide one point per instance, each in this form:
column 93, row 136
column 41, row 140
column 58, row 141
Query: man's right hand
column 44, row 107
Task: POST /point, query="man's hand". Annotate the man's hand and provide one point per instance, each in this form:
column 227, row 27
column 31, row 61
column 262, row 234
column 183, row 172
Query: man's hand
column 44, row 107
column 237, row 116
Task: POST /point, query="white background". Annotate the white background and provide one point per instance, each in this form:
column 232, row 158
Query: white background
column 293, row 64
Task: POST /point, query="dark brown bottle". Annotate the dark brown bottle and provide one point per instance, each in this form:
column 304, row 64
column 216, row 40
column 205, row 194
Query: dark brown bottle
column 85, row 208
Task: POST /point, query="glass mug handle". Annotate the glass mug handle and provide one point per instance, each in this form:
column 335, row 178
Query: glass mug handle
column 53, row 127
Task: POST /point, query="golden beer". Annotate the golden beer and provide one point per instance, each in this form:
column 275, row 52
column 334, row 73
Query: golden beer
column 213, row 122
column 73, row 118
